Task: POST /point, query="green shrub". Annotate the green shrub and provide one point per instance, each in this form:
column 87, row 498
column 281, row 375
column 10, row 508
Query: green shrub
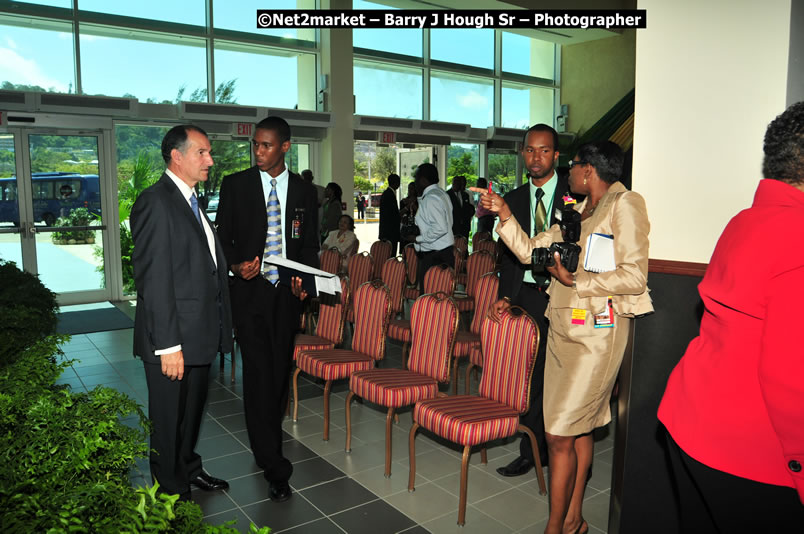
column 77, row 217
column 27, row 311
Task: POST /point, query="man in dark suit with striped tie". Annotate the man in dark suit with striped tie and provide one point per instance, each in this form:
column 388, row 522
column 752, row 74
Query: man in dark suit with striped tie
column 267, row 210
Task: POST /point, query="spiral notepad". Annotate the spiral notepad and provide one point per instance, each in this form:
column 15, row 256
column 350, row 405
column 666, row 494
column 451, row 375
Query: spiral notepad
column 599, row 256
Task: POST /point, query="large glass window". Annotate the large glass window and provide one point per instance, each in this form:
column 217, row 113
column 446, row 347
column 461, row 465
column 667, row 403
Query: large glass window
column 473, row 47
column 526, row 56
column 242, row 16
column 502, row 172
column 266, row 76
column 155, row 68
column 462, row 160
column 405, row 41
column 460, row 98
column 526, row 105
column 183, row 11
column 387, row 90
column 36, row 55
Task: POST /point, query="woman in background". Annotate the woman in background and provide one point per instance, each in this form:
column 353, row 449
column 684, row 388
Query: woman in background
column 331, row 208
column 343, row 239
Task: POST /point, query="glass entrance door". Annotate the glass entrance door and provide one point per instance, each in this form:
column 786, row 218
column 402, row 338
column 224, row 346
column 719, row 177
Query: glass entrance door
column 53, row 211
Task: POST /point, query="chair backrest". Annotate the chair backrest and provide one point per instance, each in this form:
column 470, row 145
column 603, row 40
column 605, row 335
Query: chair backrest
column 488, row 246
column 462, row 242
column 332, row 314
column 372, row 314
column 331, row 260
column 439, row 278
column 393, row 276
column 485, row 295
column 360, row 266
column 411, row 263
column 480, row 236
column 460, row 260
column 434, row 325
column 380, row 251
column 509, row 352
column 478, row 264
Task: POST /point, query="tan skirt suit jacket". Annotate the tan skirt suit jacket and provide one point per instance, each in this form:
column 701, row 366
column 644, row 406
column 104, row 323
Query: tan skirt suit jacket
column 582, row 360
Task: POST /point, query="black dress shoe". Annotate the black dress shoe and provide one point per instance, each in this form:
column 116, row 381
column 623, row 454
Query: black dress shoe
column 518, row 467
column 279, row 491
column 209, row 483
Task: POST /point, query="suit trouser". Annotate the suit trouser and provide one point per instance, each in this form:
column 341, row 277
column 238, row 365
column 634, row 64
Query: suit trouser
column 175, row 407
column 534, row 301
column 266, row 340
column 711, row 501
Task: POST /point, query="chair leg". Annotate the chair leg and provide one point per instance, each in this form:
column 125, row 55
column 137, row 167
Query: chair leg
column 455, row 377
column 296, row 394
column 484, row 459
column 327, row 388
column 467, row 450
column 389, row 419
column 349, row 421
column 536, row 458
column 412, row 454
column 469, row 368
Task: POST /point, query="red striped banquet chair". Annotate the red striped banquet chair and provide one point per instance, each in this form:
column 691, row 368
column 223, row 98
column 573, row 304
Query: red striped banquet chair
column 459, row 252
column 411, row 291
column 329, row 331
column 331, row 260
column 434, row 321
column 438, row 278
column 478, row 264
column 488, row 245
column 393, row 276
column 510, row 351
column 360, row 269
column 372, row 311
column 478, row 237
column 468, row 342
column 380, row 251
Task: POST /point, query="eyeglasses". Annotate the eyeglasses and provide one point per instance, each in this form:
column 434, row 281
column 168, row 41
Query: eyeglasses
column 573, row 163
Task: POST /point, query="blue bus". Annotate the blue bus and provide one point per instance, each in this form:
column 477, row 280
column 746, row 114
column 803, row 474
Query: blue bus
column 55, row 194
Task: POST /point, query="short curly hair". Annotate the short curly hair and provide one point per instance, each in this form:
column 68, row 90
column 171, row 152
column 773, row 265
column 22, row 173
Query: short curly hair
column 606, row 157
column 784, row 146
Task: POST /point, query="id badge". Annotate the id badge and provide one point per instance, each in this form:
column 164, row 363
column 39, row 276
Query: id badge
column 578, row 316
column 606, row 318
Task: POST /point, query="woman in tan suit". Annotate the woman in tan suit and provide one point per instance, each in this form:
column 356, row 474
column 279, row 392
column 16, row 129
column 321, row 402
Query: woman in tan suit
column 590, row 317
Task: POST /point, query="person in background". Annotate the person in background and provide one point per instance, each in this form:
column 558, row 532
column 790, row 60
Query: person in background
column 361, row 206
column 435, row 242
column 462, row 208
column 307, row 175
column 183, row 314
column 343, row 239
column 389, row 213
column 590, row 316
column 409, row 205
column 332, row 209
column 734, row 405
column 485, row 218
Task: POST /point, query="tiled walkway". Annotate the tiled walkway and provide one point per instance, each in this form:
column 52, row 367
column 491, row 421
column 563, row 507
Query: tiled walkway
column 335, row 491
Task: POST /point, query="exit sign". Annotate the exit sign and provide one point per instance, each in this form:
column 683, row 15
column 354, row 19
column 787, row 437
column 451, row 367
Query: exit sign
column 387, row 137
column 244, row 129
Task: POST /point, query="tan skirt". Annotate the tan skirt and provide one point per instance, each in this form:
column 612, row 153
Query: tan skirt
column 580, row 371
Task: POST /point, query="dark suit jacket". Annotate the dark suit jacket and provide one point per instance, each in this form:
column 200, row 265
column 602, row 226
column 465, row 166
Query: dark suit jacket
column 461, row 213
column 243, row 224
column 182, row 297
column 389, row 216
column 518, row 200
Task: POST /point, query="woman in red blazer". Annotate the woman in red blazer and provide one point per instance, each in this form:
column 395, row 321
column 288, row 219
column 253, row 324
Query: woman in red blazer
column 734, row 404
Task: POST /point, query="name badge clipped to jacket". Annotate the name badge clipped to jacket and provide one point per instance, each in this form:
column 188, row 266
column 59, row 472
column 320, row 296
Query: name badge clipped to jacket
column 298, row 220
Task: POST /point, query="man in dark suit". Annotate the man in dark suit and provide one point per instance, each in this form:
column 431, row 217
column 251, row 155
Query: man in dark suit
column 518, row 285
column 462, row 208
column 183, row 318
column 267, row 210
column 389, row 213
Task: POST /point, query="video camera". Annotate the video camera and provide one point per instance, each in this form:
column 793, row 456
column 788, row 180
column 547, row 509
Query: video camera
column 570, row 224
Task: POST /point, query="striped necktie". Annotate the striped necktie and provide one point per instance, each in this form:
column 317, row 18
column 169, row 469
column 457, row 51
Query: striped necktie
column 194, row 206
column 273, row 240
column 540, row 216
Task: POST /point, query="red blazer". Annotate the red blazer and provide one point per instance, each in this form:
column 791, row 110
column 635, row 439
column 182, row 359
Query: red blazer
column 735, row 401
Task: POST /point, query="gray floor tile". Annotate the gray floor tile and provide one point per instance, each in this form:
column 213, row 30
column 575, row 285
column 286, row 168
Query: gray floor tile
column 224, row 408
column 231, row 466
column 476, row 522
column 426, row 503
column 313, row 472
column 319, row 526
column 514, row 508
column 281, row 516
column 336, row 495
column 233, row 423
column 213, row 502
column 224, row 445
column 242, row 524
column 373, row 518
